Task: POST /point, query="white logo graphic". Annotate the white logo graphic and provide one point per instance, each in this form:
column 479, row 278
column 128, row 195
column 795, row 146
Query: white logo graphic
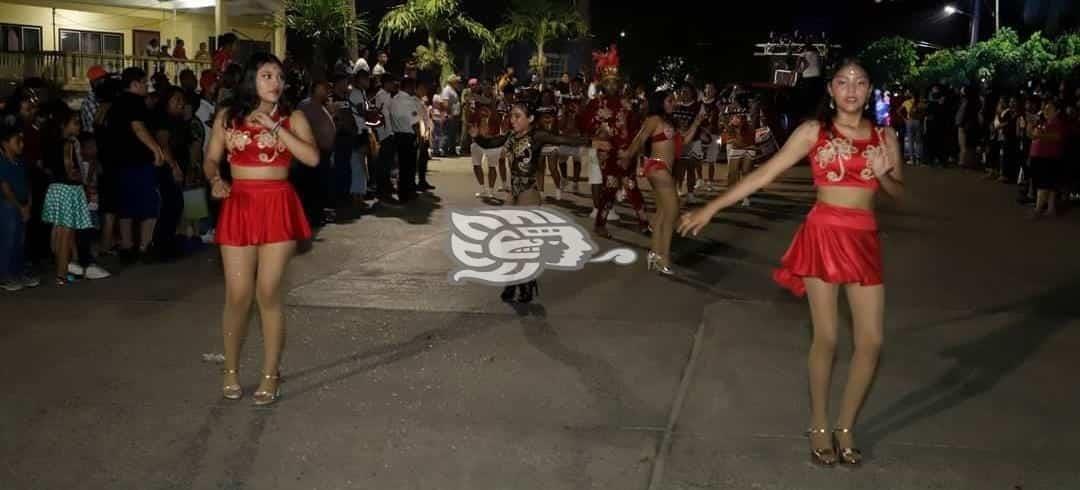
column 513, row 245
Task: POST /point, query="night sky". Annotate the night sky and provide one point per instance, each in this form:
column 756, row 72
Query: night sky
column 718, row 36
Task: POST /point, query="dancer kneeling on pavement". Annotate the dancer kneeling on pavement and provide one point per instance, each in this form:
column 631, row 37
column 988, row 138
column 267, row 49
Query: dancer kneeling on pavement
column 522, row 147
column 850, row 160
column 665, row 144
column 261, row 218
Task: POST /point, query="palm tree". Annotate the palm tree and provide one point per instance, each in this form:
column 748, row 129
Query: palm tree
column 326, row 23
column 435, row 18
column 540, row 22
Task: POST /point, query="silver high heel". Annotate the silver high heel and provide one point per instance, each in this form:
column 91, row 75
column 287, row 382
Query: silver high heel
column 654, row 263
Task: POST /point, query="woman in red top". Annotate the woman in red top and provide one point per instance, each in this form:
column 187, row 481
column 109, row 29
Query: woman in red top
column 261, row 218
column 1047, row 151
column 838, row 245
column 665, row 145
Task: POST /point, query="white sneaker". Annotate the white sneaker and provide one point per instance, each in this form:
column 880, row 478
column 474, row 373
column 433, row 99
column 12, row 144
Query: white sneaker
column 30, row 282
column 613, row 216
column 96, row 272
column 75, row 269
column 10, row 285
column 558, row 194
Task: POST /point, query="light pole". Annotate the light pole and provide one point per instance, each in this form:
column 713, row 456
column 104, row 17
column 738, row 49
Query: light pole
column 952, row 10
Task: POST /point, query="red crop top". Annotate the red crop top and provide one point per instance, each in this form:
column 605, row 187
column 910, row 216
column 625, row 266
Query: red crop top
column 669, row 133
column 840, row 161
column 252, row 145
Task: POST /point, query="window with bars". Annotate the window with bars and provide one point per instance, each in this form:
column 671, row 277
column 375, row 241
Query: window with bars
column 20, row 38
column 91, row 42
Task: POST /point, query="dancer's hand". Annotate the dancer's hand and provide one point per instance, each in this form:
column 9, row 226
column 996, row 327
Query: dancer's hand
column 220, row 189
column 881, row 164
column 264, row 120
column 694, row 221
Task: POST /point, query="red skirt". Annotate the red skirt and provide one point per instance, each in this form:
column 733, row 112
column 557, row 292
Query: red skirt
column 261, row 211
column 837, row 245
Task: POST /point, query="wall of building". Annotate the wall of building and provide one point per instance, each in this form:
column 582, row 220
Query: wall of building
column 51, row 16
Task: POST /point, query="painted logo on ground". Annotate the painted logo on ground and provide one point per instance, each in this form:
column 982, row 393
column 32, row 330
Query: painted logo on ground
column 513, row 245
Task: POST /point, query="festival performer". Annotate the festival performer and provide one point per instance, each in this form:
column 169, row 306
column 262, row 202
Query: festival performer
column 610, row 118
column 665, row 144
column 739, row 136
column 523, row 149
column 687, row 106
column 838, row 245
column 710, row 136
column 261, row 218
column 570, row 105
column 548, row 120
column 487, row 124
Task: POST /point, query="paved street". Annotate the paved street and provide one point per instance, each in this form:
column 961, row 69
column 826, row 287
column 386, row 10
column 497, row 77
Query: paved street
column 615, row 379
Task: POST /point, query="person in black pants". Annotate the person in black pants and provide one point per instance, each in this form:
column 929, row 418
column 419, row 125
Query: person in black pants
column 171, row 129
column 388, row 150
column 344, row 141
column 404, row 119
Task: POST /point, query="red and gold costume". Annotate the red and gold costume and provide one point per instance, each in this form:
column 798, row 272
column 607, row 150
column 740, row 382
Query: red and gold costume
column 260, row 211
column 836, row 244
column 611, row 118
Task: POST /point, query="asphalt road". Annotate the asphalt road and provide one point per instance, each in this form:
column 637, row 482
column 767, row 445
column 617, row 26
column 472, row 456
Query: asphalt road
column 615, row 379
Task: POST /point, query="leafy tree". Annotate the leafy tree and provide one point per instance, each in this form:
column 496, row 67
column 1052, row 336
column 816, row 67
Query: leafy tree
column 942, row 66
column 890, row 59
column 1038, row 53
column 326, row 24
column 540, row 22
column 435, row 18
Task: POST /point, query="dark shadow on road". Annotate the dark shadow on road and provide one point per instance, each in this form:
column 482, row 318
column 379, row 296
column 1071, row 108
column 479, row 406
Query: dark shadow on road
column 599, row 376
column 415, row 212
column 361, row 362
column 979, row 365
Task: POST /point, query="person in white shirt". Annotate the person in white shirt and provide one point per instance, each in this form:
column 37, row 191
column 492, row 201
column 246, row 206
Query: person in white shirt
column 404, row 121
column 384, row 163
column 453, row 115
column 358, row 61
column 380, row 65
column 358, row 104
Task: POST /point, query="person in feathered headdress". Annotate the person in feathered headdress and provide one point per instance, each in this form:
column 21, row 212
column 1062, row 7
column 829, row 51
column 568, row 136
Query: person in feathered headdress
column 611, row 118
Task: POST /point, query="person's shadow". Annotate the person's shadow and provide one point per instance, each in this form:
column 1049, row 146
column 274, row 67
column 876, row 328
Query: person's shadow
column 980, row 364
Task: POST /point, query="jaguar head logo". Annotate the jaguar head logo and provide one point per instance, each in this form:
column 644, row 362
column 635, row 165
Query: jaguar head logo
column 513, row 245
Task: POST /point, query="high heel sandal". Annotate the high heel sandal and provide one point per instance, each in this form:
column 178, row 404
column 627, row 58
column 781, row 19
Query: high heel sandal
column 262, row 397
column 821, row 456
column 848, row 455
column 527, row 291
column 654, row 263
column 508, row 293
column 233, row 391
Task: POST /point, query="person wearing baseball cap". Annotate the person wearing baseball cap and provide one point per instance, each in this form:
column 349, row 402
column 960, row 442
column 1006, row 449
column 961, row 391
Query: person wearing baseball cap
column 96, row 75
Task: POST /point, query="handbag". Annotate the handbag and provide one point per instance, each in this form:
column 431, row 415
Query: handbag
column 195, row 204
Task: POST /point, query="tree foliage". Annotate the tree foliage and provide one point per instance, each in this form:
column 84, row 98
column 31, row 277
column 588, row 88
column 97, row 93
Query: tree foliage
column 890, row 59
column 324, row 21
column 540, row 22
column 435, row 18
column 1003, row 61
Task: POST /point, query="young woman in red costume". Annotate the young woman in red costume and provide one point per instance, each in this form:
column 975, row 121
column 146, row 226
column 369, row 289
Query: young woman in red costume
column 261, row 218
column 837, row 245
column 665, row 145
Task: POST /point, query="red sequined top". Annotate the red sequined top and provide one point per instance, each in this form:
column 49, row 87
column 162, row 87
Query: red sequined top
column 252, row 145
column 840, row 161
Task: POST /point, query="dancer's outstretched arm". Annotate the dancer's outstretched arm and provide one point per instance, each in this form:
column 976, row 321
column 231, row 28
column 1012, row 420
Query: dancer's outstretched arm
column 795, row 149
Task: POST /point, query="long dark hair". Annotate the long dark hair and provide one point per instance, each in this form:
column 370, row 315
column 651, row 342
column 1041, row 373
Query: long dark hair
column 827, row 111
column 245, row 97
column 655, row 105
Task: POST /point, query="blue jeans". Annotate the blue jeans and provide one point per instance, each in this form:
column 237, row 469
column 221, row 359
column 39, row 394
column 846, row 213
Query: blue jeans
column 358, row 163
column 12, row 242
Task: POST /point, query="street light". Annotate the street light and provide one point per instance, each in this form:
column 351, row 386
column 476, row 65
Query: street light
column 952, row 10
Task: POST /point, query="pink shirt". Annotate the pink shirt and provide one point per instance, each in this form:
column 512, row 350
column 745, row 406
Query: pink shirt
column 1044, row 147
